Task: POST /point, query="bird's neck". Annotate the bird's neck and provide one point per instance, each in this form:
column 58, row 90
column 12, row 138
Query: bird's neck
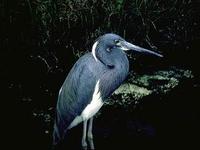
column 122, row 65
column 113, row 78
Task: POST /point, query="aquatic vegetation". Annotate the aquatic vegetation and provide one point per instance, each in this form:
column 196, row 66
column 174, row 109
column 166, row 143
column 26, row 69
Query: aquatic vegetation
column 139, row 86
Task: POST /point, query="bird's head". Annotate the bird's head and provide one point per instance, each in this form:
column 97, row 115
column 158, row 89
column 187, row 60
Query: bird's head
column 109, row 47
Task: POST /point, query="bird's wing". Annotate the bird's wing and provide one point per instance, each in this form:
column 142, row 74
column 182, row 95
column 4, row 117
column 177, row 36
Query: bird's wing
column 74, row 95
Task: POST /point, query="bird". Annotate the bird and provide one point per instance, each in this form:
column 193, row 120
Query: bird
column 92, row 79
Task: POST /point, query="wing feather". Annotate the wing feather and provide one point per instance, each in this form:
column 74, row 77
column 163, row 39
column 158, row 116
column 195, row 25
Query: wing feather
column 75, row 94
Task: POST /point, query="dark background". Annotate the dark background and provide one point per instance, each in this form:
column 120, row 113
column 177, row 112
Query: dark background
column 40, row 40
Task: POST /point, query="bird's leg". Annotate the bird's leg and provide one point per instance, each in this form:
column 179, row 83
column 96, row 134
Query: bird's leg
column 84, row 142
column 90, row 135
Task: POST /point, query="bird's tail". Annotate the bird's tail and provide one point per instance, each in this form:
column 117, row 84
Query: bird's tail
column 59, row 129
column 56, row 134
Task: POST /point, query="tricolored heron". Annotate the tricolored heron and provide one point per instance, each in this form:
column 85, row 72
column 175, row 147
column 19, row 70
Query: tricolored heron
column 93, row 78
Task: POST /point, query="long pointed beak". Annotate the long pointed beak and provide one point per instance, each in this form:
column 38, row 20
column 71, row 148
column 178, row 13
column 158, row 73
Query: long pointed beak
column 128, row 46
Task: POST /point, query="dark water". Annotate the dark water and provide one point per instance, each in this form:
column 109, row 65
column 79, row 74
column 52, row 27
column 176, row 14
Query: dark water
column 159, row 121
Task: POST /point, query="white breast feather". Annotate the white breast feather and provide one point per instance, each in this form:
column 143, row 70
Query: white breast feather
column 91, row 109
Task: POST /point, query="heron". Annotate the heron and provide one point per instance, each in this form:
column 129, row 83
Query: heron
column 92, row 79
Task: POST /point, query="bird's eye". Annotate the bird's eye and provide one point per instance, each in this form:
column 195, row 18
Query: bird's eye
column 117, row 42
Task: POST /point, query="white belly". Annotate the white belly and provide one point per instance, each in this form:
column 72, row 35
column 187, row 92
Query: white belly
column 91, row 109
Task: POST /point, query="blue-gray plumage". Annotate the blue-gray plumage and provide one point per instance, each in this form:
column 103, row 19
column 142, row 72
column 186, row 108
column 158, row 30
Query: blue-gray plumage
column 93, row 78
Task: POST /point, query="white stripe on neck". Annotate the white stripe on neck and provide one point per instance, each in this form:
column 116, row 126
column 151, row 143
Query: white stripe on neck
column 94, row 50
